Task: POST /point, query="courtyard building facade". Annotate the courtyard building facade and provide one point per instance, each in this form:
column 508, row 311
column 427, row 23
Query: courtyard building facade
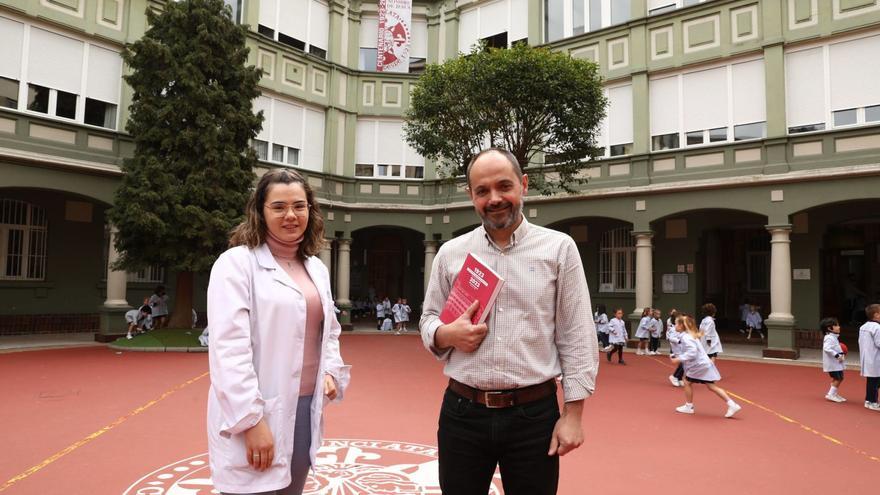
column 741, row 152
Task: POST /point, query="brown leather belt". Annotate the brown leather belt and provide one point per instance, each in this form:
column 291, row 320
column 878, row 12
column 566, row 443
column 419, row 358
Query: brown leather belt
column 495, row 399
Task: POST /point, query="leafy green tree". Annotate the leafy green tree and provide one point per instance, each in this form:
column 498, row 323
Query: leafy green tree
column 531, row 101
column 187, row 183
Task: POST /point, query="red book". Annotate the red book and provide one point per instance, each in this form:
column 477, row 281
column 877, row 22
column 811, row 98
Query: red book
column 475, row 281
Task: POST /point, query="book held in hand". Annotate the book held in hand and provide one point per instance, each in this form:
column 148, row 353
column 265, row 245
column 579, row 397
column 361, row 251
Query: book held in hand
column 474, row 282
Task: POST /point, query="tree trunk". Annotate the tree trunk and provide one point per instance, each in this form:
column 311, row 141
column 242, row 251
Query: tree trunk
column 181, row 317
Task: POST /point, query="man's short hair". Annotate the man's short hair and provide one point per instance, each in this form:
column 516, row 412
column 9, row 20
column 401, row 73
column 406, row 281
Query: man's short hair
column 872, row 310
column 514, row 163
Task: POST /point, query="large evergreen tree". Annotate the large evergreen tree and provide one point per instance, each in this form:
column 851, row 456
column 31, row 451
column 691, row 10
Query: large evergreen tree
column 191, row 120
column 529, row 100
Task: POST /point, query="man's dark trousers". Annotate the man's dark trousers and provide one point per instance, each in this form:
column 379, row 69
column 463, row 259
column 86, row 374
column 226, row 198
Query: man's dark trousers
column 473, row 439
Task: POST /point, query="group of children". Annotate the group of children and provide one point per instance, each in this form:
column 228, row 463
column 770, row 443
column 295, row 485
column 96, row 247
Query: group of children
column 400, row 312
column 834, row 356
column 694, row 349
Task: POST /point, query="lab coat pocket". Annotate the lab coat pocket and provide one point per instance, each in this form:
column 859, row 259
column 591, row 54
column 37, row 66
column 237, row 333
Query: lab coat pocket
column 273, row 414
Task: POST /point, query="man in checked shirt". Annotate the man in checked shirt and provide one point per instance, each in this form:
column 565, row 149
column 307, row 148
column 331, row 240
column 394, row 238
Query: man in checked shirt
column 500, row 407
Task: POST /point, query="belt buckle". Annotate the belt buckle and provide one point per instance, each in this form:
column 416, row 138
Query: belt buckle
column 497, row 400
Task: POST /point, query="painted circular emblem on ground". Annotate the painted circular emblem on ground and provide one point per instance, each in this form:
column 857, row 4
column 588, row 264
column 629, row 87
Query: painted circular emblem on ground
column 344, row 466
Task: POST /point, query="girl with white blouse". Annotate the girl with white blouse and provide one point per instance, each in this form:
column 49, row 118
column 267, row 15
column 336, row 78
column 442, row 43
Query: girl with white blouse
column 711, row 341
column 600, row 318
column 698, row 368
column 617, row 336
column 643, row 332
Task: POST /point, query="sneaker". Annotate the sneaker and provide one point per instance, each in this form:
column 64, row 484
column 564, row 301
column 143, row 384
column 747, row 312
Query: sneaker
column 685, row 409
column 128, row 337
column 608, row 348
column 840, row 398
column 732, row 409
column 872, row 406
column 674, row 381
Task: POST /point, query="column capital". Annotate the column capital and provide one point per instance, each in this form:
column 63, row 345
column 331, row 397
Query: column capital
column 780, row 227
column 431, row 243
column 343, row 242
column 640, row 234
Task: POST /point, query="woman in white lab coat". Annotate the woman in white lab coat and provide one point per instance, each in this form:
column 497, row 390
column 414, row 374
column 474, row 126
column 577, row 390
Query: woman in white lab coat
column 274, row 343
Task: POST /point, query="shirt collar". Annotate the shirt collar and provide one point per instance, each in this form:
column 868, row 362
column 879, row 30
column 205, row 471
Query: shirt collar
column 518, row 235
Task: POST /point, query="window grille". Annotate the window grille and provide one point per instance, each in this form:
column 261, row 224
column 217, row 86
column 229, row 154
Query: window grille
column 617, row 261
column 23, row 235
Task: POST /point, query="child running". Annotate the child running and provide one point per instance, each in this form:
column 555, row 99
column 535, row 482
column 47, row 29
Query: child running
column 711, row 341
column 644, row 331
column 869, row 355
column 601, row 320
column 617, row 336
column 698, row 368
column 832, row 357
column 673, row 336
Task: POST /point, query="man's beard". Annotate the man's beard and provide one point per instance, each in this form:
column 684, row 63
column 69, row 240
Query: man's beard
column 511, row 218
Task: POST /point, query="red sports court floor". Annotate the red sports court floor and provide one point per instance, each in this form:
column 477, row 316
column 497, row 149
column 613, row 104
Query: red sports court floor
column 91, row 421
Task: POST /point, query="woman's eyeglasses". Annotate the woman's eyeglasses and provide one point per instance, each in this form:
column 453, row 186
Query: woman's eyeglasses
column 300, row 208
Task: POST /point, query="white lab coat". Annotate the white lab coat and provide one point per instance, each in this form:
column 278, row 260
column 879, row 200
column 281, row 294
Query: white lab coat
column 711, row 341
column 601, row 321
column 644, row 329
column 674, row 338
column 616, row 331
column 257, row 319
column 656, row 328
column 830, row 350
column 695, row 361
column 869, row 348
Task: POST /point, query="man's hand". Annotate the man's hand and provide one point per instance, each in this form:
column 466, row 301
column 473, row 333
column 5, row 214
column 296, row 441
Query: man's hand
column 461, row 333
column 260, row 446
column 568, row 434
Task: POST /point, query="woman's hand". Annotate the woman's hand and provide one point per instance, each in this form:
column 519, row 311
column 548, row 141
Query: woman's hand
column 260, row 446
column 330, row 387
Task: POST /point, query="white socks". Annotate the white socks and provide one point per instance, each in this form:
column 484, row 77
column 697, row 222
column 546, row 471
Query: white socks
column 730, row 402
column 832, row 390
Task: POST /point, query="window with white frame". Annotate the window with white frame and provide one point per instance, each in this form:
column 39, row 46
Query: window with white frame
column 302, row 24
column 381, row 151
column 565, row 18
column 708, row 106
column 369, row 33
column 616, row 130
column 292, row 134
column 617, row 261
column 58, row 76
column 23, row 230
column 661, row 6
column 831, row 86
column 154, row 274
column 500, row 24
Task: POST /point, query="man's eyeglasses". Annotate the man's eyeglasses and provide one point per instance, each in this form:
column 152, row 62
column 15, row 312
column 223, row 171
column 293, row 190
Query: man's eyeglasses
column 300, row 208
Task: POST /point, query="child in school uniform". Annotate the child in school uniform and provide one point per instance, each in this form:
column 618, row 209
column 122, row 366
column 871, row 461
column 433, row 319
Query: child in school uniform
column 600, row 318
column 673, row 336
column 643, row 332
column 711, row 341
column 832, row 357
column 869, row 355
column 754, row 322
column 656, row 332
column 386, row 325
column 698, row 368
column 617, row 336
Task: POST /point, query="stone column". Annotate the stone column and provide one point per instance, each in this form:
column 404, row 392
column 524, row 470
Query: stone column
column 113, row 310
column 326, row 254
column 780, row 324
column 343, row 268
column 430, row 251
column 644, row 276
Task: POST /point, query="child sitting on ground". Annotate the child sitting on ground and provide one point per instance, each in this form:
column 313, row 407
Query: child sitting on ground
column 832, row 357
column 138, row 320
column 754, row 322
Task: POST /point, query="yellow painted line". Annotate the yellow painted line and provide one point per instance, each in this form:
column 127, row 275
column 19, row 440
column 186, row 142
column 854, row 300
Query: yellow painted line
column 70, row 448
column 792, row 421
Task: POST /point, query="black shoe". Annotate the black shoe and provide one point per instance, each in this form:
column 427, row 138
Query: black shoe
column 622, row 362
column 608, row 355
